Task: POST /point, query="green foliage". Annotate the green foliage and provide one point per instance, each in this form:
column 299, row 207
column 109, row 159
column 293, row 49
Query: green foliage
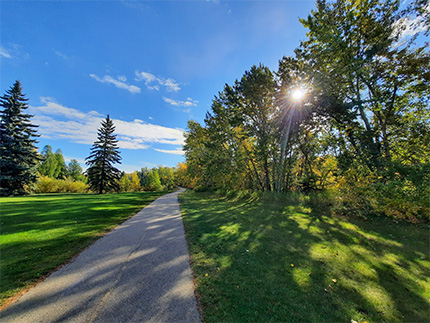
column 53, row 165
column 167, row 177
column 102, row 175
column 75, row 171
column 400, row 191
column 17, row 144
column 125, row 184
column 42, row 232
column 157, row 178
column 153, row 181
column 281, row 257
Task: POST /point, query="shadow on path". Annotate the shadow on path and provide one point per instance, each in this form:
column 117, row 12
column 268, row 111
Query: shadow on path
column 138, row 272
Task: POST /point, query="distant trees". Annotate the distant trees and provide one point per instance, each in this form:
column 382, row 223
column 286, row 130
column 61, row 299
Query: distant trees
column 157, row 179
column 102, row 175
column 17, row 143
column 52, row 165
column 75, row 171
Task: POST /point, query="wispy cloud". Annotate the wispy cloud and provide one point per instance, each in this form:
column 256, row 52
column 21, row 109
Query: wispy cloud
column 177, row 151
column 153, row 82
column 61, row 54
column 4, row 52
column 119, row 83
column 59, row 122
column 188, row 103
column 14, row 52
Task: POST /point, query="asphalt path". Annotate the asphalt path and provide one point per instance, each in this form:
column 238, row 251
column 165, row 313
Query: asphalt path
column 138, row 272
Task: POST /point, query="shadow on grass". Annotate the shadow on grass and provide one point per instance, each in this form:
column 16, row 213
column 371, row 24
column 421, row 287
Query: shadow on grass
column 41, row 232
column 127, row 276
column 264, row 261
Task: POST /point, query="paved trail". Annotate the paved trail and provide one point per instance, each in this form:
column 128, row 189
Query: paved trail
column 139, row 272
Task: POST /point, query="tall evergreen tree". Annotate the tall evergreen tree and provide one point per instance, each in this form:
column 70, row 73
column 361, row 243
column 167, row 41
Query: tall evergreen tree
column 102, row 175
column 18, row 152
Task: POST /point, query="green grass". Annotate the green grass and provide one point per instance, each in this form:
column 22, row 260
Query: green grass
column 272, row 261
column 41, row 232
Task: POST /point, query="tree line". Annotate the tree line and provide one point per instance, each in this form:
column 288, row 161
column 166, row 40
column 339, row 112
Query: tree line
column 24, row 170
column 348, row 113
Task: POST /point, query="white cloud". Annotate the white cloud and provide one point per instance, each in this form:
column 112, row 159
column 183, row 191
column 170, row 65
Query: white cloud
column 118, row 83
column 4, row 52
column 170, row 84
column 59, row 122
column 409, row 26
column 61, row 54
column 188, row 103
column 148, row 77
column 177, row 151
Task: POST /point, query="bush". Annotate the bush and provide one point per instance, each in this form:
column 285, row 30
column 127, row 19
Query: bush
column 46, row 184
column 400, row 192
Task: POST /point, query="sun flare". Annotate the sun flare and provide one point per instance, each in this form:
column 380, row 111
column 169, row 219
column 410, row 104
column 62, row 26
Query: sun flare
column 298, row 94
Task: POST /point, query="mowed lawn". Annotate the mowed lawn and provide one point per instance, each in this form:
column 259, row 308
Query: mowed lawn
column 41, row 232
column 273, row 261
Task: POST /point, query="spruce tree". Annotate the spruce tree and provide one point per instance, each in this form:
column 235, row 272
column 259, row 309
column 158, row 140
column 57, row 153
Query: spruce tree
column 102, row 175
column 18, row 152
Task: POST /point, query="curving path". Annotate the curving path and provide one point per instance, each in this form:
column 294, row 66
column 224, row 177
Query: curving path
column 138, row 272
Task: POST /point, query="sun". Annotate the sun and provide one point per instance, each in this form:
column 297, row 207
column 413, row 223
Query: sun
column 298, row 94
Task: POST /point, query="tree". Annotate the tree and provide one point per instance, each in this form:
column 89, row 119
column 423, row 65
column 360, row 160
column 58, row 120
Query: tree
column 181, row 178
column 125, row 183
column 18, row 152
column 367, row 81
column 61, row 170
column 53, row 164
column 49, row 164
column 102, row 175
column 154, row 183
column 135, row 182
column 74, row 170
column 257, row 91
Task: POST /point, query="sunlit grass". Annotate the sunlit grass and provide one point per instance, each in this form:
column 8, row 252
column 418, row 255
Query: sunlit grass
column 41, row 232
column 271, row 261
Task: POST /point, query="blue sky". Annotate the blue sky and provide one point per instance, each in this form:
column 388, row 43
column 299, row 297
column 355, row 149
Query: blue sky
column 150, row 65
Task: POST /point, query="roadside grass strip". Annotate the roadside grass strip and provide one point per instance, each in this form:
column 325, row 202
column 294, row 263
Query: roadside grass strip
column 271, row 261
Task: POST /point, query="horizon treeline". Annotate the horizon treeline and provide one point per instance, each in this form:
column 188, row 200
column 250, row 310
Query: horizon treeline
column 361, row 131
column 55, row 176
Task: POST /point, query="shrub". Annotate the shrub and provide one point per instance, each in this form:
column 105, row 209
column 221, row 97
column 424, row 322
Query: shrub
column 46, row 184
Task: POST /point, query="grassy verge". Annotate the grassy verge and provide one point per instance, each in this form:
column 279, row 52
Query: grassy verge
column 41, row 232
column 271, row 261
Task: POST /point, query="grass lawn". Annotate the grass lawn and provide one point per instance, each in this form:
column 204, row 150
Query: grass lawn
column 272, row 261
column 41, row 232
